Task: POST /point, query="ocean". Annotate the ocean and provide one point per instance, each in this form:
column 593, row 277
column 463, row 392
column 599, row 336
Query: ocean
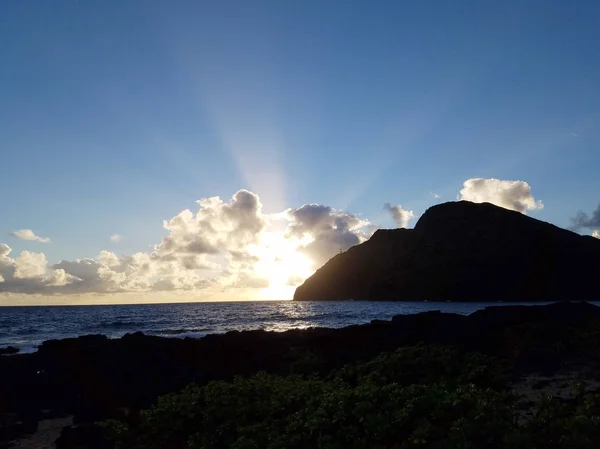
column 27, row 327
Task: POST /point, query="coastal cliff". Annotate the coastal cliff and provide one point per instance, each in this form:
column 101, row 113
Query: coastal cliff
column 462, row 251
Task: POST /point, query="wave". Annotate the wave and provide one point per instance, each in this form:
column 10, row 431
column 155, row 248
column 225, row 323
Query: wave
column 178, row 331
column 119, row 324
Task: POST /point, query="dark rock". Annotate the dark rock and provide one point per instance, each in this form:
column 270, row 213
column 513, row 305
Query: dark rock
column 463, row 251
column 9, row 350
column 12, row 430
column 16, row 425
column 541, row 384
column 88, row 436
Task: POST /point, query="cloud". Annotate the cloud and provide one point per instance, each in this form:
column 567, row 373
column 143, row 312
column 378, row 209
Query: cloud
column 30, row 265
column 401, row 216
column 5, row 250
column 219, row 246
column 326, row 231
column 434, row 195
column 596, row 234
column 29, row 273
column 514, row 195
column 216, row 227
column 109, row 273
column 109, row 259
column 247, row 280
column 190, row 256
column 28, row 234
column 60, row 278
column 116, row 238
column 584, row 221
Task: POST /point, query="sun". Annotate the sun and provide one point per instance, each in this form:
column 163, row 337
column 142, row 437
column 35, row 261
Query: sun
column 281, row 264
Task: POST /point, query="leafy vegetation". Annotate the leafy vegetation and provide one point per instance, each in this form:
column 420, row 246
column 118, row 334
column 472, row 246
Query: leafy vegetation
column 425, row 364
column 422, row 396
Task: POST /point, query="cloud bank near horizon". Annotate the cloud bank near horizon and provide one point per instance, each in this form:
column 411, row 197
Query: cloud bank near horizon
column 222, row 245
column 226, row 245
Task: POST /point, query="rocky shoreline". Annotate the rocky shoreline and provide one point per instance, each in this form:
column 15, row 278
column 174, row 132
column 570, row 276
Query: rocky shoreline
column 94, row 378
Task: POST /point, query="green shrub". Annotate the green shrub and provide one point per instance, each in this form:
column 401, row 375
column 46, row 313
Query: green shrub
column 301, row 361
column 419, row 397
column 426, row 364
column 561, row 425
column 273, row 412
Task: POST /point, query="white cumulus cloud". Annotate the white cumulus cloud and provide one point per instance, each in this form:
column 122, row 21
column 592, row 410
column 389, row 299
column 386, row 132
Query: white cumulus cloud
column 400, row 215
column 116, row 238
column 222, row 244
column 596, row 234
column 60, row 278
column 28, row 234
column 514, row 195
column 108, row 258
column 30, row 265
column 29, row 273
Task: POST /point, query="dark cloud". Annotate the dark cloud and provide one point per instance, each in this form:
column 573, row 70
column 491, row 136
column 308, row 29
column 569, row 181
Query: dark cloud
column 87, row 271
column 584, row 221
column 309, row 218
column 331, row 231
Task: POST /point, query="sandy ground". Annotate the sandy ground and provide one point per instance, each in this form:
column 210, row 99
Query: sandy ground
column 47, row 433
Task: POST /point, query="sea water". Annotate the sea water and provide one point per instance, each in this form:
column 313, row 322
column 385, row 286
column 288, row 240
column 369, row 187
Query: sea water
column 27, row 327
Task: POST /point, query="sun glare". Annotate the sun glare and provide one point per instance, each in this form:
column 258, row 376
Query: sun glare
column 281, row 264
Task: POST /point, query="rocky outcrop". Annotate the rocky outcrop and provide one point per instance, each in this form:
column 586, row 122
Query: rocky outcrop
column 462, row 251
column 9, row 350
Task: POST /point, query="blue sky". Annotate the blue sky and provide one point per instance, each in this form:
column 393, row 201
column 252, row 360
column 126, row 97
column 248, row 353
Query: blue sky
column 115, row 116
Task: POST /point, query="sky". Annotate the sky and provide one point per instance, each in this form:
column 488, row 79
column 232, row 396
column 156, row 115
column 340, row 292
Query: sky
column 155, row 151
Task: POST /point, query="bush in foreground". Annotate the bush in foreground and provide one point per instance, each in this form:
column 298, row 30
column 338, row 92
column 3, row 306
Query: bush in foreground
column 267, row 411
column 417, row 397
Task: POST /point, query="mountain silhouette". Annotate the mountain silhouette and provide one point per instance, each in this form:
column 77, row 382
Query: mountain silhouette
column 463, row 251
